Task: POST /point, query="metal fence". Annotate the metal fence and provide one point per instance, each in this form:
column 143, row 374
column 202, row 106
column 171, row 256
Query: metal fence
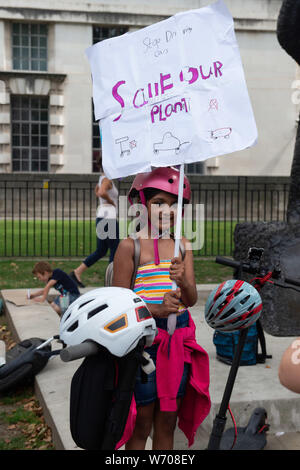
column 55, row 216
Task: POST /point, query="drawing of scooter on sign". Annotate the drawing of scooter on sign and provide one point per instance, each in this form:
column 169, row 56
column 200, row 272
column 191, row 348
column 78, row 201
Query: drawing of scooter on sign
column 169, row 142
column 223, row 132
column 123, row 149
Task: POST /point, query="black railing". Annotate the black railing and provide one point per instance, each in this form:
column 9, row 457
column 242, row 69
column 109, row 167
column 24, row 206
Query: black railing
column 55, row 216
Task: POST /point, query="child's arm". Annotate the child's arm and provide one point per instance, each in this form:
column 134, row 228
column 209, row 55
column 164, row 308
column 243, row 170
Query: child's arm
column 36, row 294
column 44, row 292
column 182, row 272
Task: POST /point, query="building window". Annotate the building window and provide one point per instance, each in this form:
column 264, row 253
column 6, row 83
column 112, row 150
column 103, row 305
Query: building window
column 30, row 133
column 100, row 33
column 106, row 32
column 29, row 46
column 195, row 168
column 97, row 154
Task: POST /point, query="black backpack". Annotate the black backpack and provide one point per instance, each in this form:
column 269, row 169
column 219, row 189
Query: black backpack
column 23, row 362
column 101, row 394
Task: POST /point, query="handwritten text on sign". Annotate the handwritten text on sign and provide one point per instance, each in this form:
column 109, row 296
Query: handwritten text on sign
column 171, row 93
column 142, row 95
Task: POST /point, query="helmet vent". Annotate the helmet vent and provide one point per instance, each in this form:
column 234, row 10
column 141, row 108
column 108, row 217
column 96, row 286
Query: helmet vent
column 87, row 302
column 244, row 300
column 170, row 180
column 96, row 310
column 230, row 312
column 136, row 300
column 73, row 326
column 68, row 316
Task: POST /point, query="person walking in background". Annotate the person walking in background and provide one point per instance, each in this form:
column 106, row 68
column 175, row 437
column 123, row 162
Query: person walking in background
column 107, row 227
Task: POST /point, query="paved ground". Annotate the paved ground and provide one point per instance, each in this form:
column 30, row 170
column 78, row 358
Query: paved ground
column 255, row 385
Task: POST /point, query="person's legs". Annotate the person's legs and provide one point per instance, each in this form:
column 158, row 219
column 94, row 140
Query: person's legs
column 56, row 306
column 101, row 250
column 113, row 243
column 142, row 429
column 163, row 428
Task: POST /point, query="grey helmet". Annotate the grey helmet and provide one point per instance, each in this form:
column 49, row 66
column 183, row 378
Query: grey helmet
column 232, row 306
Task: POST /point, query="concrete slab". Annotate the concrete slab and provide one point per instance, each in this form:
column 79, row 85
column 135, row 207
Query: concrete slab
column 255, row 385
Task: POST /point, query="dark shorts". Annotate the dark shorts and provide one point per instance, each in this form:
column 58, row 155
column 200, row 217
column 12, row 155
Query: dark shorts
column 146, row 393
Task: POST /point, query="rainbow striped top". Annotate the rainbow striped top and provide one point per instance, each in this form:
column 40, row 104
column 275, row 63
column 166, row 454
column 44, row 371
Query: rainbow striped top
column 153, row 281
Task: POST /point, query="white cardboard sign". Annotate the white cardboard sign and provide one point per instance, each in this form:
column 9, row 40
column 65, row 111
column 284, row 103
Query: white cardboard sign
column 171, row 93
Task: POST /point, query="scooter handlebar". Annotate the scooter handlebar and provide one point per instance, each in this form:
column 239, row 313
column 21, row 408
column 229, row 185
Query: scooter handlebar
column 246, row 268
column 78, row 351
column 295, row 282
column 227, row 262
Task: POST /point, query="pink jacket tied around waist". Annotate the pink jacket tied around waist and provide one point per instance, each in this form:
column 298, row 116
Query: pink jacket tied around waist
column 195, row 404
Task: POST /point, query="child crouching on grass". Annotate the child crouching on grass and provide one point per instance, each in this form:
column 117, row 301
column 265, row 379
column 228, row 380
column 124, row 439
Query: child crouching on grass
column 59, row 280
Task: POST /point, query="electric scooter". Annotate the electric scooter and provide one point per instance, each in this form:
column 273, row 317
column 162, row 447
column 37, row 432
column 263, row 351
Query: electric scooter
column 253, row 436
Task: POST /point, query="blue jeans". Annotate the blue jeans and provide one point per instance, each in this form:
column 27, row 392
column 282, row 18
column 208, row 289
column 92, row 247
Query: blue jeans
column 146, row 393
column 103, row 245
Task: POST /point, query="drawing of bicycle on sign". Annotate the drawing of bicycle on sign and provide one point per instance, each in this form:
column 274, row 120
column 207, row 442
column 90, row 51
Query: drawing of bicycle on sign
column 222, row 132
column 169, row 142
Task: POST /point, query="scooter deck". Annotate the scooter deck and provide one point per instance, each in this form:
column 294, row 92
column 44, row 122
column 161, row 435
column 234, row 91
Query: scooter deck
column 243, row 441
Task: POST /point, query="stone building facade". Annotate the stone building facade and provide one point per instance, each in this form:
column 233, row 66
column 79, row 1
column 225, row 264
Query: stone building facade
column 46, row 115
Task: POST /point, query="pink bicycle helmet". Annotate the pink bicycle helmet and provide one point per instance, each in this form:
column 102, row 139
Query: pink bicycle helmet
column 164, row 178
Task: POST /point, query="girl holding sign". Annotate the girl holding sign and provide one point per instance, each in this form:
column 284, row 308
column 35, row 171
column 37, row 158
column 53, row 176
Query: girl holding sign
column 179, row 385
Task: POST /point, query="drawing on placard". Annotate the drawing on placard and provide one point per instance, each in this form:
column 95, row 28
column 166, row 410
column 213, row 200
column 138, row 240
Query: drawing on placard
column 169, row 142
column 223, row 132
column 124, row 149
column 132, row 144
column 213, row 104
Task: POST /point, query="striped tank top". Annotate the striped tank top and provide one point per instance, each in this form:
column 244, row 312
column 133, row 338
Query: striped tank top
column 153, row 281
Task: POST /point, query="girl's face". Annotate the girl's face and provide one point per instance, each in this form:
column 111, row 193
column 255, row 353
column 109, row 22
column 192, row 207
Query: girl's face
column 162, row 210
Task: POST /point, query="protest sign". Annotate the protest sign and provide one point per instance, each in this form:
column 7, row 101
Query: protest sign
column 171, row 93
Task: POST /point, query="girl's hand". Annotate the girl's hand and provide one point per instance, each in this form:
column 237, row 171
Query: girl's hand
column 171, row 302
column 177, row 271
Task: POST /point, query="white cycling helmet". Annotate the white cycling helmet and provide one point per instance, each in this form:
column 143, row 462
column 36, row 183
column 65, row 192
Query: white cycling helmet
column 232, row 306
column 113, row 317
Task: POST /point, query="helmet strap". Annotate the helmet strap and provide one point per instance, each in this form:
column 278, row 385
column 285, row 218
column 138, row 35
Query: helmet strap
column 155, row 241
column 157, row 235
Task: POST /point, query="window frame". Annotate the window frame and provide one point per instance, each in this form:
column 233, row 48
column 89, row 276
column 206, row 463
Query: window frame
column 23, row 142
column 30, row 40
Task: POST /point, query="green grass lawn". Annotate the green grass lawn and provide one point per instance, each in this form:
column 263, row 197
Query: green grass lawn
column 77, row 238
column 16, row 274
